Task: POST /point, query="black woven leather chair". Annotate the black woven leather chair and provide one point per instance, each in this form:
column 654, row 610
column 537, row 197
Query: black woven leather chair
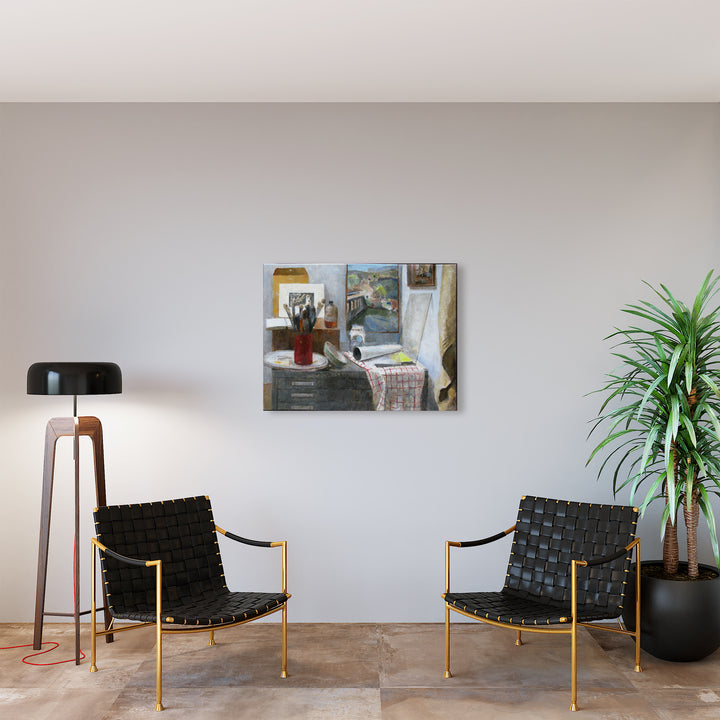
column 161, row 566
column 568, row 566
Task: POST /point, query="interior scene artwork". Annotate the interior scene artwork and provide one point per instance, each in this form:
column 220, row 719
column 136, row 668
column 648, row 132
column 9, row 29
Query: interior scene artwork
column 361, row 336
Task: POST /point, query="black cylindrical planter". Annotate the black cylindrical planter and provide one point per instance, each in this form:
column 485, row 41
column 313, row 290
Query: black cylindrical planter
column 679, row 619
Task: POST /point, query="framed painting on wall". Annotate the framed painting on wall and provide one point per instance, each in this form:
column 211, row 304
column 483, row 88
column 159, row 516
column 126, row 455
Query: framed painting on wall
column 360, row 336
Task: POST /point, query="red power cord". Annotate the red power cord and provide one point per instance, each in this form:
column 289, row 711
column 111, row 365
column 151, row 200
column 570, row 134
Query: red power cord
column 42, row 652
column 49, row 642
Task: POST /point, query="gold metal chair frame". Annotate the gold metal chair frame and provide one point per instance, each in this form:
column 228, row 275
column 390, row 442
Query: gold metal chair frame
column 160, row 630
column 572, row 630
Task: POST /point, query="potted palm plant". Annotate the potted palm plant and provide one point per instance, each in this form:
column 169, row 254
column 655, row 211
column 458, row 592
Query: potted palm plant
column 660, row 426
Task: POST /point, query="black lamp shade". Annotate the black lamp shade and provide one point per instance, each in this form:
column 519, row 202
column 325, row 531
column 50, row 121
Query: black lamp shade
column 74, row 378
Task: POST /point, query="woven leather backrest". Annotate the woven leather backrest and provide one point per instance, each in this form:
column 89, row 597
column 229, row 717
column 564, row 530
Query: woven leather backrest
column 550, row 533
column 180, row 532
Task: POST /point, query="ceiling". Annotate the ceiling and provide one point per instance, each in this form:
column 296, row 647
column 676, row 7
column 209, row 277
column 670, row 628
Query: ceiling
column 360, row 50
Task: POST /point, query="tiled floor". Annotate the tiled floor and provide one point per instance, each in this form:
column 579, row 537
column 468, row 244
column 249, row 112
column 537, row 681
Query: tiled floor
column 348, row 672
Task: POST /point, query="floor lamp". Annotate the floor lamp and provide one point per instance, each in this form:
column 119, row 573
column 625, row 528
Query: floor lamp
column 70, row 378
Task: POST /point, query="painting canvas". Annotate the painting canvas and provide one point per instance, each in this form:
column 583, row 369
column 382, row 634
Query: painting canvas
column 393, row 346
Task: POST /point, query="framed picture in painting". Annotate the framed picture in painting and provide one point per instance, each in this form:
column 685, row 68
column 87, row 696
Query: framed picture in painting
column 299, row 295
column 372, row 297
column 421, row 275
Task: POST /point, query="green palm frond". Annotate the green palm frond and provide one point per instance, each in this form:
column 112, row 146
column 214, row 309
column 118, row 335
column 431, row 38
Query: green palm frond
column 659, row 419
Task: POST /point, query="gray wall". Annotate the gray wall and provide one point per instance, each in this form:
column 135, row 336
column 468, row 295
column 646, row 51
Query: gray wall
column 137, row 234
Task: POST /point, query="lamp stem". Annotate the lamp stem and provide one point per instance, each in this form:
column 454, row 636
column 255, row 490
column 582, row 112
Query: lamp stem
column 76, row 558
column 76, row 441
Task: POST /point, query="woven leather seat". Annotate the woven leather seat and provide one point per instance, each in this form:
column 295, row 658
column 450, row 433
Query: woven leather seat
column 228, row 607
column 165, row 555
column 511, row 610
column 568, row 566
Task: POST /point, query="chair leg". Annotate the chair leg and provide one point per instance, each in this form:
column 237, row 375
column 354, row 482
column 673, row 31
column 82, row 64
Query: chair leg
column 518, row 640
column 284, row 672
column 637, row 608
column 93, row 629
column 573, row 669
column 211, row 639
column 573, row 638
column 448, row 674
column 158, row 671
column 93, row 646
column 158, row 633
column 638, row 669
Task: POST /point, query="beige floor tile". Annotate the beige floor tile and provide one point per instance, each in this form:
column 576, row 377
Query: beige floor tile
column 41, row 704
column 520, row 704
column 680, row 704
column 251, row 704
column 658, row 673
column 319, row 655
column 27, row 703
column 17, row 674
column 118, row 660
column 487, row 657
column 348, row 671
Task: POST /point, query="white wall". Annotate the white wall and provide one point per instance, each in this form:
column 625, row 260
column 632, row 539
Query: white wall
column 137, row 234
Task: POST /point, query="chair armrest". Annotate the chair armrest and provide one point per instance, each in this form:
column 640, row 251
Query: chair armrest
column 262, row 543
column 608, row 558
column 247, row 541
column 468, row 543
column 483, row 541
column 122, row 558
column 575, row 564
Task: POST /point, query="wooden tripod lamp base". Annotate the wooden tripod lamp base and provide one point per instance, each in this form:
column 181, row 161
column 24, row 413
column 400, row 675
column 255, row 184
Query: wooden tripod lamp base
column 69, row 379
column 57, row 428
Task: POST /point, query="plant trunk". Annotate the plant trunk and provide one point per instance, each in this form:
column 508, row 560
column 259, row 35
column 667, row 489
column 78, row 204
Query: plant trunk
column 691, row 513
column 671, row 551
column 692, row 516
